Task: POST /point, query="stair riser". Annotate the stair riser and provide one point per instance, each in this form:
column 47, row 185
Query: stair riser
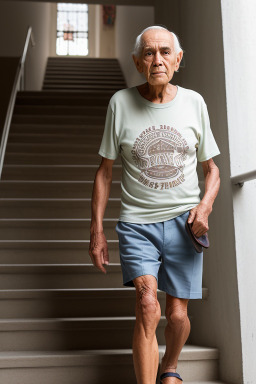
column 54, row 209
column 96, row 374
column 84, row 87
column 47, row 230
column 80, row 80
column 59, row 110
column 78, row 75
column 73, row 68
column 52, row 190
column 89, row 132
column 109, row 372
column 60, row 308
column 48, row 173
column 91, row 100
column 52, row 148
column 55, row 159
column 61, row 281
column 30, row 119
column 60, row 95
column 54, row 140
column 97, row 337
column 46, row 254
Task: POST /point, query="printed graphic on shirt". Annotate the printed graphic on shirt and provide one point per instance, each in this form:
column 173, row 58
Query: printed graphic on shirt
column 160, row 154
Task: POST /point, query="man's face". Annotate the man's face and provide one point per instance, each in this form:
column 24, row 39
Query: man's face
column 158, row 59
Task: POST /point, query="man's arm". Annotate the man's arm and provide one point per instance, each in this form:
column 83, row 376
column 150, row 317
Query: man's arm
column 199, row 214
column 98, row 249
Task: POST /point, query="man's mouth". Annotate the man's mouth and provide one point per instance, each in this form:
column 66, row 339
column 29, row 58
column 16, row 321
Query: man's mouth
column 157, row 73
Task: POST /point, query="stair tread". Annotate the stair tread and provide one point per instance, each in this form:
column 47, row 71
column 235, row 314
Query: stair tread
column 72, row 292
column 11, row 294
column 78, row 357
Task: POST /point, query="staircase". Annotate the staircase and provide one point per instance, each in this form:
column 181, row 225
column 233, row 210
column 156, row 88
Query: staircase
column 62, row 321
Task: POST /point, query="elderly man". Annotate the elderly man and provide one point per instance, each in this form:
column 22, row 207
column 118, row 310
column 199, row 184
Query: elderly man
column 160, row 130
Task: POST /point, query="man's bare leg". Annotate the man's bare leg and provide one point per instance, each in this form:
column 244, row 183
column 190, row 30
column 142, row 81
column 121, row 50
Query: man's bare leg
column 145, row 346
column 176, row 334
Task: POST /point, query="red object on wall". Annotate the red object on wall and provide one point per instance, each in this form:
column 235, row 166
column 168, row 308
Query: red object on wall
column 109, row 14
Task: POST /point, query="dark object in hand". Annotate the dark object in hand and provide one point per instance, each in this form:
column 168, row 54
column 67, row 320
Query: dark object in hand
column 198, row 242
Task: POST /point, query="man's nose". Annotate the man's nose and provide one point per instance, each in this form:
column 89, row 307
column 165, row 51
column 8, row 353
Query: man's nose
column 157, row 59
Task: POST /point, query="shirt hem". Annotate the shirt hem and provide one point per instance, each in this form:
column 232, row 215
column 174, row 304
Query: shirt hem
column 128, row 219
column 209, row 156
column 107, row 155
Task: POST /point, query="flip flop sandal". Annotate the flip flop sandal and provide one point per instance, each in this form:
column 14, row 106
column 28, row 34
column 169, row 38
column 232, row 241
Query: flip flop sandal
column 169, row 374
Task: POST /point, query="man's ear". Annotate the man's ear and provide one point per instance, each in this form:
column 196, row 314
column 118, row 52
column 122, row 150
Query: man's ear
column 178, row 60
column 137, row 62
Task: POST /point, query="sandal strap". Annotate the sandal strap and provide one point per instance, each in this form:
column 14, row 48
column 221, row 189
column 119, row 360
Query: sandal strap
column 170, row 374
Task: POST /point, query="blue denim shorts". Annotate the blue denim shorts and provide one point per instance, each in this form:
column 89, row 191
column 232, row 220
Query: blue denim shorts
column 164, row 250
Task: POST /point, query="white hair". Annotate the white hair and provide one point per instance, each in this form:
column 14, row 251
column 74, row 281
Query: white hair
column 138, row 46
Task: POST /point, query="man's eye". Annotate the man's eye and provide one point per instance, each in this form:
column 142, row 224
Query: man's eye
column 166, row 52
column 148, row 53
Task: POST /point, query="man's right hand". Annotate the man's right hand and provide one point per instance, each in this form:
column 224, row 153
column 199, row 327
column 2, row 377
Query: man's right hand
column 98, row 250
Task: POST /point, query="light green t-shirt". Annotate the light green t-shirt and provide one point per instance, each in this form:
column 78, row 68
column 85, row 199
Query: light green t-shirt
column 159, row 145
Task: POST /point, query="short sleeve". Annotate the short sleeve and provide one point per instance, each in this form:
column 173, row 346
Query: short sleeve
column 109, row 144
column 207, row 146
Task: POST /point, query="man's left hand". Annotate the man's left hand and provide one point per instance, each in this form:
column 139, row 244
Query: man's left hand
column 199, row 217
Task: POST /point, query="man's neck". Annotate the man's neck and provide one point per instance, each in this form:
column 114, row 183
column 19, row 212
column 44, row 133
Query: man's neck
column 158, row 94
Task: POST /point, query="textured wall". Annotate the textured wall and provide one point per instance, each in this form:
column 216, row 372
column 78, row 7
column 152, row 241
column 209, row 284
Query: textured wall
column 216, row 321
column 129, row 23
column 15, row 18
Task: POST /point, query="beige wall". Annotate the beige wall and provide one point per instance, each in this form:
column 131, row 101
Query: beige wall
column 216, row 322
column 107, row 38
column 130, row 22
column 15, row 18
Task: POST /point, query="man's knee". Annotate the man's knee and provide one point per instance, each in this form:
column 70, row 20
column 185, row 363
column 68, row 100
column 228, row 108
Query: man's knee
column 146, row 298
column 176, row 315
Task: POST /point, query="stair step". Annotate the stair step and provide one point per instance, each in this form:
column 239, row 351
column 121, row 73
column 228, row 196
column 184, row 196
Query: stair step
column 83, row 74
column 64, row 110
column 73, row 67
column 52, row 189
column 53, row 158
column 59, row 303
column 83, row 81
column 83, row 87
column 62, row 95
column 56, row 303
column 99, row 366
column 37, row 276
column 70, row 333
column 55, row 139
column 65, row 98
column 86, row 80
column 45, row 147
column 52, row 229
column 51, row 251
column 90, row 131
column 54, row 208
column 58, row 119
column 55, row 172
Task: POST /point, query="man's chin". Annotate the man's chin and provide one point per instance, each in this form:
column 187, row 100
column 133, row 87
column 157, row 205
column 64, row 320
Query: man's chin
column 158, row 81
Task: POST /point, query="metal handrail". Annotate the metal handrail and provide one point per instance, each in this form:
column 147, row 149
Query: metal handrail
column 18, row 83
column 243, row 177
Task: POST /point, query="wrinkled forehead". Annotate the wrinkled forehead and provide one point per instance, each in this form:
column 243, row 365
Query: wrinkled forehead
column 157, row 37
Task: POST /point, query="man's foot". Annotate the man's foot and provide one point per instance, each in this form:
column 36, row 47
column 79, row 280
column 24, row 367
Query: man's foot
column 168, row 379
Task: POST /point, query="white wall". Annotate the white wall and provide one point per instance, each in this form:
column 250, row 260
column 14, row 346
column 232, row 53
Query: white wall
column 15, row 18
column 239, row 32
column 216, row 321
column 130, row 21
